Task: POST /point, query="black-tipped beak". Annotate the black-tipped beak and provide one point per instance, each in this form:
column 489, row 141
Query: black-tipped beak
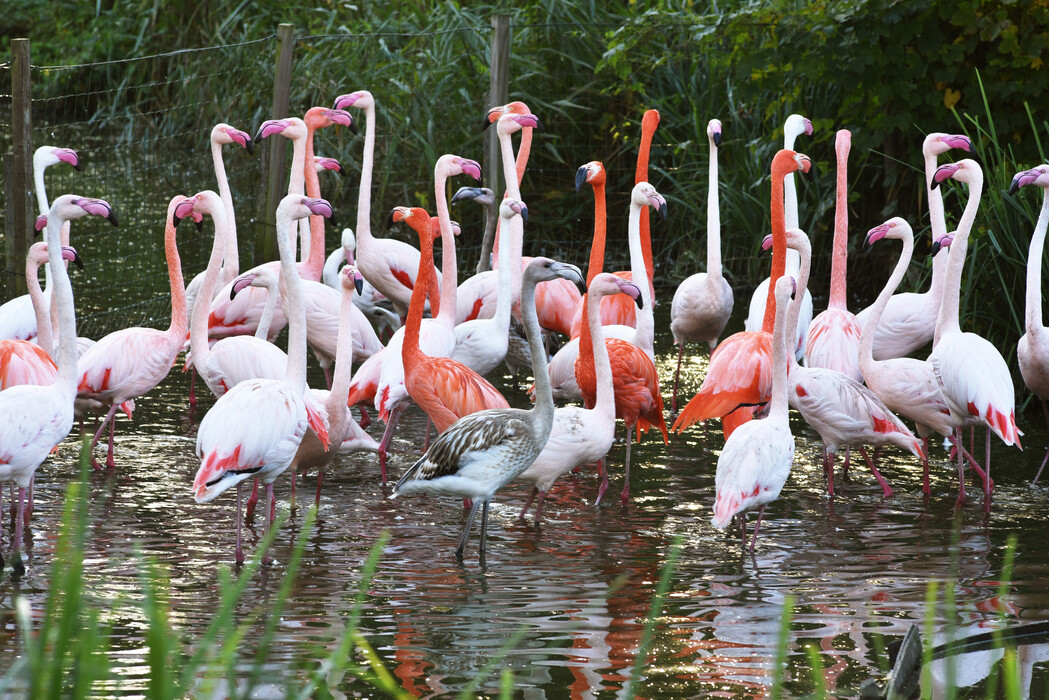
column 249, row 146
column 77, row 261
column 112, row 217
column 487, row 123
column 524, row 213
column 640, row 302
column 580, row 177
column 867, row 242
column 233, row 292
column 353, row 128
column 358, row 284
column 717, row 139
column 935, row 249
column 76, row 166
column 663, row 210
column 389, row 219
column 1014, row 185
column 199, row 224
column 935, row 186
column 539, row 125
column 176, row 220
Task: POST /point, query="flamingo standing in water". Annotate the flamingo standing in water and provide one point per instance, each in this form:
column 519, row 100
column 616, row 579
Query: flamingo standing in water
column 484, row 451
column 755, row 462
column 702, row 303
column 793, row 127
column 38, row 418
column 834, row 336
column 909, row 320
column 581, row 435
column 129, row 363
column 1032, row 351
column 638, row 400
column 444, row 388
column 973, row 375
column 256, row 427
column 740, row 373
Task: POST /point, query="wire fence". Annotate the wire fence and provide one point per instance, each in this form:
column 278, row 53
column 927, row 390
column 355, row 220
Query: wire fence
column 141, row 127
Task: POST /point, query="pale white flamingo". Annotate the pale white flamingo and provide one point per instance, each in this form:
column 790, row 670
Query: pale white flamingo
column 256, row 427
column 581, row 435
column 702, row 303
column 482, row 452
column 374, row 305
column 130, row 362
column 909, row 321
column 755, row 462
column 793, row 127
column 973, row 375
column 1032, row 351
column 38, row 418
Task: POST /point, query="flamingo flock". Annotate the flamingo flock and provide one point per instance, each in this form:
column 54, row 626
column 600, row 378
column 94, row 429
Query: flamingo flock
column 862, row 375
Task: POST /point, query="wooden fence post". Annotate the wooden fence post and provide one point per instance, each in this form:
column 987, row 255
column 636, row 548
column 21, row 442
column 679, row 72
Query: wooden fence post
column 498, row 94
column 273, row 175
column 18, row 172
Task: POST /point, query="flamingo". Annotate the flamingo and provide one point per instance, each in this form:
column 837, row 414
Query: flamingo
column 388, row 264
column 374, row 305
column 23, row 362
column 739, row 374
column 38, row 418
column 314, row 119
column 17, row 316
column 482, row 452
column 256, row 427
column 130, row 362
column 443, row 387
column 1032, row 351
column 973, row 375
column 793, row 127
column 702, row 303
column 834, row 336
column 839, row 408
column 909, row 320
column 755, row 462
column 581, row 435
column 486, row 198
column 638, row 401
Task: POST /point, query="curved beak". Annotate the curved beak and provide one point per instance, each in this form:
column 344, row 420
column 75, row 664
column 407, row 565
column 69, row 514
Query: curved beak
column 69, row 253
column 580, row 177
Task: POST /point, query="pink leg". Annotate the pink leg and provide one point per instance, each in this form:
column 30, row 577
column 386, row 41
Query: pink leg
column 1044, row 460
column 16, row 545
column 845, row 464
column 327, row 377
column 625, row 496
column 539, row 508
column 29, row 505
column 1, row 527
column 238, row 553
column 885, row 488
column 366, row 420
column 961, row 470
column 110, row 464
column 249, row 512
column 677, row 374
column 269, row 523
column 387, row 435
column 192, row 387
column 987, row 483
column 926, row 489
column 294, row 476
column 320, row 480
column 528, row 502
column 426, row 445
column 828, row 468
column 604, row 481
column 754, row 539
column 98, row 434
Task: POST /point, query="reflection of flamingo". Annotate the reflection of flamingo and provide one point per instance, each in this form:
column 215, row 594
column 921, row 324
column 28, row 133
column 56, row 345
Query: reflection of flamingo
column 755, row 462
column 128, row 363
column 793, row 127
column 909, row 320
column 834, row 336
column 482, row 452
column 256, row 427
column 973, row 375
column 1033, row 349
column 638, row 401
column 581, row 435
column 702, row 303
column 740, row 373
column 444, row 388
column 37, row 418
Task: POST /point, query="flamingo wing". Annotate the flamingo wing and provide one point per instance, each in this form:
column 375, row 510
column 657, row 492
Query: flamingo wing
column 448, row 390
column 752, row 468
column 35, row 420
column 833, row 343
column 22, row 362
column 125, row 364
column 976, row 383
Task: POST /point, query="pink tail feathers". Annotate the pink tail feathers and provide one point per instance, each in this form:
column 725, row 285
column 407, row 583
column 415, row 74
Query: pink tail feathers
column 724, row 509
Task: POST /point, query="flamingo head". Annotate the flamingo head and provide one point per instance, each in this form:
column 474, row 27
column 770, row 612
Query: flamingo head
column 348, row 241
column 69, row 253
column 593, row 172
column 481, row 195
column 322, row 163
column 361, row 99
column 1038, row 175
column 896, row 227
column 605, row 284
column 804, row 162
column 508, row 208
column 786, row 288
column 351, row 278
column 435, row 227
column 492, row 116
column 204, row 202
column 46, row 156
column 796, row 240
column 966, row 170
column 416, row 217
column 224, row 133
column 511, row 123
column 943, row 241
column 318, row 206
column 644, row 194
column 650, row 120
column 450, row 165
column 842, row 143
column 181, row 207
column 70, row 206
column 96, row 207
column 41, row 223
column 322, row 117
column 545, row 269
column 245, row 280
column 936, row 144
column 291, row 127
column 714, row 132
column 795, row 126
column 787, row 161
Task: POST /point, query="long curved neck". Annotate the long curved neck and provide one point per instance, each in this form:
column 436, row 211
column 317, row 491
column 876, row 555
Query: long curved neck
column 44, row 337
column 604, row 399
column 340, row 381
column 870, row 328
column 1033, row 313
column 177, row 330
column 648, row 131
column 779, row 248
column 413, row 323
column 364, row 195
column 840, row 250
column 597, row 247
column 295, row 374
column 491, row 218
column 198, row 329
column 266, row 320
column 506, row 151
column 297, row 178
column 446, row 312
column 948, row 320
column 937, row 225
column 62, row 296
column 505, row 273
column 713, row 219
column 231, row 257
column 646, row 325
column 794, row 310
column 778, row 403
column 791, row 217
column 311, row 229
column 544, row 398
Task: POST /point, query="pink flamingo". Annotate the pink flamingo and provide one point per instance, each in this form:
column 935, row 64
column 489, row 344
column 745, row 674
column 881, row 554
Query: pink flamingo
column 444, row 388
column 834, row 336
column 129, row 363
column 1032, row 351
column 973, row 375
column 581, row 435
column 755, row 462
column 388, row 264
column 40, row 417
column 256, row 427
column 909, row 320
column 740, row 373
column 702, row 303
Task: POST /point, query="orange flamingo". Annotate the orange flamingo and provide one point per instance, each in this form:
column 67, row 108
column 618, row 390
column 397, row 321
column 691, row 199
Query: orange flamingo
column 740, row 372
column 834, row 336
column 316, row 118
column 636, row 382
column 446, row 389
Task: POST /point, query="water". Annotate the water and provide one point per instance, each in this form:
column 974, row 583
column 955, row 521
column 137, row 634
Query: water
column 580, row 586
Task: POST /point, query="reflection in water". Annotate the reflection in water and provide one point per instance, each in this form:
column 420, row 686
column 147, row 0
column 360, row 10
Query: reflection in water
column 578, row 588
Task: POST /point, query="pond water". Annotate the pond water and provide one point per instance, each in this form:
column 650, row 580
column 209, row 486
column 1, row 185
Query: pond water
column 580, row 586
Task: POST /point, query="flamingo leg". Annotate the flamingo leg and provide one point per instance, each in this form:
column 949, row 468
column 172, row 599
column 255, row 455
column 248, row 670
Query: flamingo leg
column 269, row 522
column 604, row 481
column 925, row 468
column 110, row 464
column 238, row 553
column 961, row 470
column 845, row 465
column 987, row 483
column 828, row 468
column 320, row 480
column 294, row 475
column 528, row 502
column 192, row 389
column 1045, row 411
column 677, row 374
column 754, row 539
column 426, row 444
column 625, row 496
column 366, row 419
column 484, row 531
column 249, row 512
column 1, row 527
column 98, row 434
column 29, row 502
column 16, row 545
column 539, row 507
column 885, row 488
column 387, row 435
column 327, row 377
column 466, row 530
